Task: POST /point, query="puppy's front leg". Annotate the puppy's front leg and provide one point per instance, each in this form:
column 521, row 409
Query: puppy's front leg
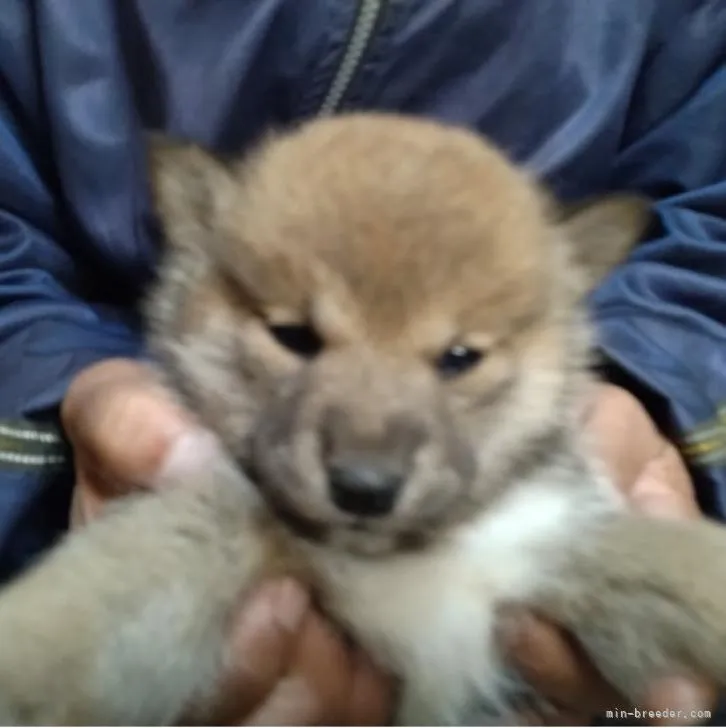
column 646, row 598
column 125, row 622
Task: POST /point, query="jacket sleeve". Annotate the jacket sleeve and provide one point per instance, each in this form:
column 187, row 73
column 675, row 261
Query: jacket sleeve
column 661, row 317
column 49, row 330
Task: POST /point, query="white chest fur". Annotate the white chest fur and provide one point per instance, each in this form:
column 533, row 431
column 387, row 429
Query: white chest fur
column 430, row 616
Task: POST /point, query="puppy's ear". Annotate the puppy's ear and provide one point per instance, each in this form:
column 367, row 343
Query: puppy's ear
column 196, row 196
column 601, row 232
column 188, row 185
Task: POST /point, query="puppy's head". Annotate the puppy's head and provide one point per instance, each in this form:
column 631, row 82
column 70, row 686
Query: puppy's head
column 380, row 316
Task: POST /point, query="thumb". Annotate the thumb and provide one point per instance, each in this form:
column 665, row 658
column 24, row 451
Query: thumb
column 125, row 426
column 664, row 488
column 679, row 701
column 261, row 647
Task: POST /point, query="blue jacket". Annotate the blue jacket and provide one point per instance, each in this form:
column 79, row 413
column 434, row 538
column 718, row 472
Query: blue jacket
column 593, row 95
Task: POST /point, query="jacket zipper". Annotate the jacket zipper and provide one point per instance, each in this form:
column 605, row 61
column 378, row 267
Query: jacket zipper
column 364, row 27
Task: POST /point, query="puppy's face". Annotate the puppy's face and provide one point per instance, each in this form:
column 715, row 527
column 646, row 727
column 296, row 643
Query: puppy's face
column 378, row 315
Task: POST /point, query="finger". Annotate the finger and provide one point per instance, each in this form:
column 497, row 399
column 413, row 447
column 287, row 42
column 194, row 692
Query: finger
column 555, row 665
column 664, row 489
column 121, row 420
column 328, row 684
column 318, row 685
column 324, row 662
column 92, row 491
column 94, row 385
column 556, row 718
column 547, row 714
column 680, row 701
column 571, row 718
column 262, row 644
column 291, row 703
column 624, row 436
column 95, row 480
column 372, row 695
column 126, row 432
column 86, row 503
column 94, row 488
column 130, row 433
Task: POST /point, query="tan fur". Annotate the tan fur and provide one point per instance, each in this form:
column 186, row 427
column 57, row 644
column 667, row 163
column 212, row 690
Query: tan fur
column 393, row 240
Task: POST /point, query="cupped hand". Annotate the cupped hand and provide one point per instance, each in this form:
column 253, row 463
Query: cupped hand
column 290, row 666
column 648, row 469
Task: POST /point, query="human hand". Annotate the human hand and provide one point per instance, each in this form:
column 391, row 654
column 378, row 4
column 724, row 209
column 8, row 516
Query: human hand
column 648, row 469
column 291, row 666
column 125, row 428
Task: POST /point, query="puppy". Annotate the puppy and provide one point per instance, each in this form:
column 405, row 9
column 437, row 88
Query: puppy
column 381, row 319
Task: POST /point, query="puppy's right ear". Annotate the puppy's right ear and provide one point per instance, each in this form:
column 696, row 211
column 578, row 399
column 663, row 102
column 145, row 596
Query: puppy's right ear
column 187, row 187
column 603, row 231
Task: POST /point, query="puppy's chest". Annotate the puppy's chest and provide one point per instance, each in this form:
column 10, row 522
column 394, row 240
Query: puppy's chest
column 430, row 616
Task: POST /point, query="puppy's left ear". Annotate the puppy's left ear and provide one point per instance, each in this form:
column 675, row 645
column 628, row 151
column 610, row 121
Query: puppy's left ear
column 188, row 184
column 602, row 232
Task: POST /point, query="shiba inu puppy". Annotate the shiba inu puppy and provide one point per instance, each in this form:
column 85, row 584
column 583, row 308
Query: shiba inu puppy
column 381, row 318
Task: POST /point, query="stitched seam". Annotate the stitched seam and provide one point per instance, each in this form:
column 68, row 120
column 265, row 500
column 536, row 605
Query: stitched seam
column 12, row 458
column 25, row 444
column 28, row 434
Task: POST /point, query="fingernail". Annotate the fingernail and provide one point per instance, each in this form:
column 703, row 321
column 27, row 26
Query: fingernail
column 290, row 604
column 513, row 625
column 191, row 451
column 277, row 605
column 291, row 702
column 658, row 503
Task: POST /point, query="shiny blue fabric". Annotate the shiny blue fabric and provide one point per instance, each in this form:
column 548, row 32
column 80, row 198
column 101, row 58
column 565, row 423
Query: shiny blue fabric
column 590, row 95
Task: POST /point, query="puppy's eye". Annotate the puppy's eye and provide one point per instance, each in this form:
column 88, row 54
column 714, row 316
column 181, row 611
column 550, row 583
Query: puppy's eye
column 300, row 339
column 457, row 360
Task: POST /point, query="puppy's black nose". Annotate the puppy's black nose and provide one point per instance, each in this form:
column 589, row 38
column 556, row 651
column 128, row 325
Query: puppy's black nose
column 364, row 489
